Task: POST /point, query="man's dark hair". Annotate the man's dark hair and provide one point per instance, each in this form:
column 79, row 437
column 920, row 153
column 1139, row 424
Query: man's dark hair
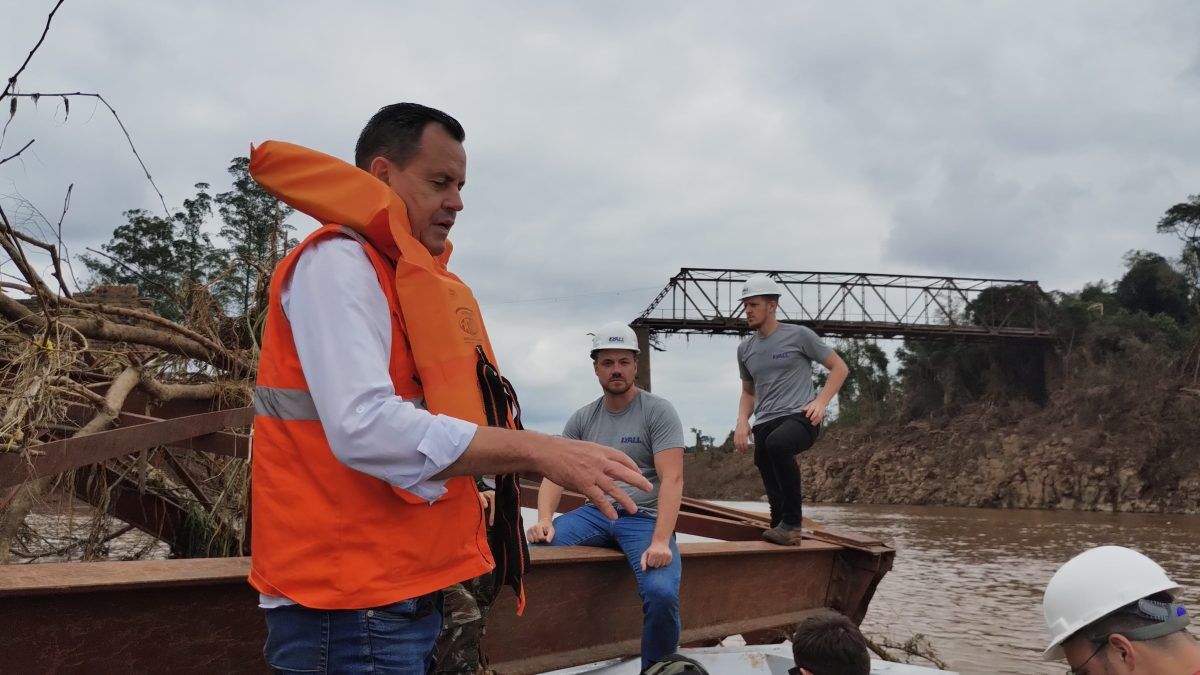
column 395, row 133
column 827, row 643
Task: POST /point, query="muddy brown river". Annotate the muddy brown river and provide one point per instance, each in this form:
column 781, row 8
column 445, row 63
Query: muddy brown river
column 971, row 580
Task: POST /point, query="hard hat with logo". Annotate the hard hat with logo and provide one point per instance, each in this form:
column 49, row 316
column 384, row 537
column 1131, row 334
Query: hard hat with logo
column 615, row 335
column 1097, row 583
column 760, row 284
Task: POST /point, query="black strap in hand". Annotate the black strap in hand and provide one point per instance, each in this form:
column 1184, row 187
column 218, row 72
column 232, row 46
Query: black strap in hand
column 507, row 536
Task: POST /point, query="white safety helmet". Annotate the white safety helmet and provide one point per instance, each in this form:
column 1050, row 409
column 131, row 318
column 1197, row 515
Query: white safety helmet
column 760, row 284
column 615, row 335
column 1093, row 585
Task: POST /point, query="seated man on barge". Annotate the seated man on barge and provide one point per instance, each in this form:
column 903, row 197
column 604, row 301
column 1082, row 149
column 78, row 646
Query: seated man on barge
column 647, row 429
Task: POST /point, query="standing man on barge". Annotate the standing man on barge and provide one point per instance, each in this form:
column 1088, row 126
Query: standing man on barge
column 775, row 362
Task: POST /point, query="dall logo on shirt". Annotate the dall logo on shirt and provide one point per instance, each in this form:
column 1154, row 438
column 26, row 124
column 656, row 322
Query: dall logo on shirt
column 786, row 355
column 630, row 440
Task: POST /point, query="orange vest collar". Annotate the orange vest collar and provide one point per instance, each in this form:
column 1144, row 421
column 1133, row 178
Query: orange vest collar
column 333, row 191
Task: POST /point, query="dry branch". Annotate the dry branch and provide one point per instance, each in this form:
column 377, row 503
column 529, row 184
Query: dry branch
column 98, row 328
column 18, row 152
column 53, row 251
column 176, row 392
column 12, row 246
column 12, row 81
column 151, row 317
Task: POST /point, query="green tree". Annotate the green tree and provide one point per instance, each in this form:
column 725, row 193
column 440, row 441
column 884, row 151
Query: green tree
column 163, row 257
column 1017, row 305
column 864, row 395
column 196, row 259
column 1183, row 221
column 702, row 442
column 257, row 236
column 1152, row 286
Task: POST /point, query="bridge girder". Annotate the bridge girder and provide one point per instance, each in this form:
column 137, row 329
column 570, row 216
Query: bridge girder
column 704, row 301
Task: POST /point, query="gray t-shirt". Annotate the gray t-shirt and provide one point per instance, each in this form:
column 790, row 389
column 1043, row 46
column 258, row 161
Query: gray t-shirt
column 780, row 366
column 646, row 427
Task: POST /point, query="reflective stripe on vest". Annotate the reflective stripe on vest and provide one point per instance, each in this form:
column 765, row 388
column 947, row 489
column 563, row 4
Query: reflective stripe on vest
column 293, row 405
column 296, row 405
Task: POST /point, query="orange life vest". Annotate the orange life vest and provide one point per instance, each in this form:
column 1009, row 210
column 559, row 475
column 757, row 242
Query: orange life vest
column 325, row 535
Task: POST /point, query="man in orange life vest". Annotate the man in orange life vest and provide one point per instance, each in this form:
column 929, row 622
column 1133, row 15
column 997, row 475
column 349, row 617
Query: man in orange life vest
column 363, row 506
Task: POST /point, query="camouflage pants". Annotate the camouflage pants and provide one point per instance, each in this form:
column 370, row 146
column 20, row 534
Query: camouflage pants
column 460, row 646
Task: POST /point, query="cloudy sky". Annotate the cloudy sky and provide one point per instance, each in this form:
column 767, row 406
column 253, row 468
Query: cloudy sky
column 612, row 143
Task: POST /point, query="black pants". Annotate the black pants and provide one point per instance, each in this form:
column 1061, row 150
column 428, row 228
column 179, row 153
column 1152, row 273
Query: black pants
column 776, row 444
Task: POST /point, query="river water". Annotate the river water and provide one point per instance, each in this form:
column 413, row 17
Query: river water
column 971, row 580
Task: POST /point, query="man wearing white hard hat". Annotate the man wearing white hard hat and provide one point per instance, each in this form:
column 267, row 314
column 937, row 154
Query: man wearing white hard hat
column 777, row 387
column 647, row 429
column 1112, row 610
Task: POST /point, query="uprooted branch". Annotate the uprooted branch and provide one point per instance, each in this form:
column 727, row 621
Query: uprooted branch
column 98, row 328
column 917, row 646
column 128, row 138
column 74, row 364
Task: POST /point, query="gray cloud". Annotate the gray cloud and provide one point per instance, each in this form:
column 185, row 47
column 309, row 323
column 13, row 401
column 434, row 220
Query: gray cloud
column 979, row 224
column 610, row 145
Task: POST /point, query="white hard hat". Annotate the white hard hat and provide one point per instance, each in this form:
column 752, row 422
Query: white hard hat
column 760, row 284
column 1093, row 585
column 615, row 335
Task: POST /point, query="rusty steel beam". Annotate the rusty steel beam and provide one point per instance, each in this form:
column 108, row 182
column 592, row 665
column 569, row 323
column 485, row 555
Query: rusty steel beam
column 200, row 616
column 224, row 443
column 705, row 519
column 114, row 488
column 155, row 514
column 119, row 496
column 583, row 604
column 699, row 524
column 151, row 512
column 184, row 476
column 165, row 616
column 55, row 457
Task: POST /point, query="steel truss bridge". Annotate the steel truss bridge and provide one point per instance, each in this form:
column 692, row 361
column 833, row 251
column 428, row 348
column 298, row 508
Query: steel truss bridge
column 842, row 305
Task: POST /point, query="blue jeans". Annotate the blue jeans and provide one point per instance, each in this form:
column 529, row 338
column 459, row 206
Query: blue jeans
column 395, row 639
column 659, row 586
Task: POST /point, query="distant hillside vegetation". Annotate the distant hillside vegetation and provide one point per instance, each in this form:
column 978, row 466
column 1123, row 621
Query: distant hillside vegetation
column 1107, row 417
